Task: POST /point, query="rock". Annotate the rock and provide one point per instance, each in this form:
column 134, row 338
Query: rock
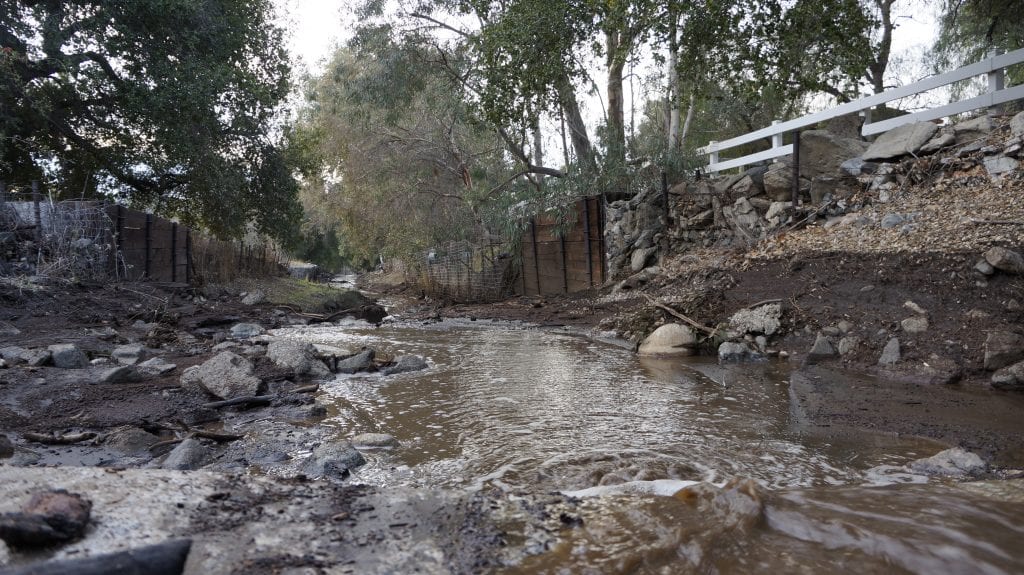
column 6, row 447
column 891, row 353
column 973, row 129
column 941, row 371
column 914, row 307
column 747, row 187
column 1005, row 260
column 778, row 212
column 246, row 330
column 5, row 554
column 847, row 126
column 14, row 355
column 406, row 364
column 847, row 345
column 831, row 331
column 188, row 455
column 121, row 374
column 1009, row 378
column 975, row 313
column 671, row 339
column 374, row 441
column 937, row 143
column 157, row 366
column 916, row 324
column 858, row 167
column 254, row 298
column 68, row 356
column 38, row 357
column 362, row 361
column 227, row 375
column 844, row 326
column 998, row 166
column 298, row 356
column 104, row 333
column 1003, row 348
column 1017, row 125
column 130, row 441
column 335, row 459
column 778, row 183
column 128, row 354
column 640, row 258
column 49, row 517
column 984, row 268
column 906, row 139
column 822, row 152
column 955, row 462
column 736, row 351
column 764, row 319
column 822, row 349
column 892, row 220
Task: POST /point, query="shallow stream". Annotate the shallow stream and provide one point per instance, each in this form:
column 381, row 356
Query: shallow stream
column 522, row 410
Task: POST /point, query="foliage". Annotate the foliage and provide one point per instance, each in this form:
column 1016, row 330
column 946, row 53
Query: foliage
column 168, row 104
column 970, row 29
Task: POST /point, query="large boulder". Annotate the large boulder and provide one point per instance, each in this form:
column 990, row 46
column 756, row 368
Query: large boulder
column 1003, row 348
column 954, row 462
column 68, row 356
column 334, row 460
column 823, row 152
column 405, row 364
column 1005, row 259
column 227, row 375
column 299, row 356
column 906, row 139
column 362, row 361
column 970, row 130
column 764, row 319
column 671, row 339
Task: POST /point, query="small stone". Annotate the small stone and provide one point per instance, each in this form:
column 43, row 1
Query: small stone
column 916, row 324
column 359, row 362
column 374, row 441
column 1009, row 378
column 984, row 268
column 188, row 455
column 254, row 298
column 130, row 441
column 736, row 351
column 891, row 221
column 831, row 331
column 406, row 364
column 867, row 288
column 844, row 326
column 129, row 354
column 48, row 518
column 914, row 307
column 68, row 356
column 157, row 366
column 121, row 374
column 822, row 349
column 891, row 353
column 671, row 339
column 1002, row 348
column 1013, row 305
column 334, row 459
column 847, row 345
column 246, row 330
column 1005, row 260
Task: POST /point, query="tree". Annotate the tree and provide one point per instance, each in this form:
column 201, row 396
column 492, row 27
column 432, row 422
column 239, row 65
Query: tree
column 168, row 104
column 970, row 29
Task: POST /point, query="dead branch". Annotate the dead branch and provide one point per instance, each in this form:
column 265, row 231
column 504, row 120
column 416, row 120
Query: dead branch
column 678, row 315
column 307, row 389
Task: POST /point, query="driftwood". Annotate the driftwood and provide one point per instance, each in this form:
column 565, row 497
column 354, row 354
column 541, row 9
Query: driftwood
column 66, row 439
column 247, row 400
column 307, row 389
column 167, row 558
column 678, row 315
column 320, row 317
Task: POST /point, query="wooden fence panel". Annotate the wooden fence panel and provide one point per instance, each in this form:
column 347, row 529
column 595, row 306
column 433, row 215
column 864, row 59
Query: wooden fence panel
column 553, row 264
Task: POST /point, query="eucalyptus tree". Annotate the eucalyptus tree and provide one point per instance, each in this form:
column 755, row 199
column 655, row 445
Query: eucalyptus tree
column 169, row 104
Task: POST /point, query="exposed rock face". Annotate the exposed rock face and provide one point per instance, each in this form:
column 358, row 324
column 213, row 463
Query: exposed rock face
column 299, row 356
column 765, row 319
column 68, row 356
column 955, row 462
column 671, row 339
column 406, row 364
column 226, row 375
column 906, row 139
column 1003, row 348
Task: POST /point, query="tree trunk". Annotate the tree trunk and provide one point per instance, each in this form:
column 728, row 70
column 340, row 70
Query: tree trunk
column 574, row 121
column 616, row 108
column 689, row 119
column 672, row 98
column 876, row 70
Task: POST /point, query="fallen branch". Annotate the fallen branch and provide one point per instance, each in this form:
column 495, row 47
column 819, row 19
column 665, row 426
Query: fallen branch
column 67, row 439
column 679, row 316
column 247, row 400
column 160, row 444
column 218, row 437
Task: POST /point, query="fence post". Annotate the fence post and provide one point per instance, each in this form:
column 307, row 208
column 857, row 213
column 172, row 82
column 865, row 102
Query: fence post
column 996, row 78
column 796, row 169
column 36, row 211
column 776, row 138
column 188, row 256
column 174, row 252
column 565, row 266
column 536, row 262
column 586, row 241
column 149, row 246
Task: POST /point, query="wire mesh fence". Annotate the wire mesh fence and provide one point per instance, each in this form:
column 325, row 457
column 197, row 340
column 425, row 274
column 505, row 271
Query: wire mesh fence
column 462, row 272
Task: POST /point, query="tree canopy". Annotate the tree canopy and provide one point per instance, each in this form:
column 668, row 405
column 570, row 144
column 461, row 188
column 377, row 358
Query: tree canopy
column 168, row 104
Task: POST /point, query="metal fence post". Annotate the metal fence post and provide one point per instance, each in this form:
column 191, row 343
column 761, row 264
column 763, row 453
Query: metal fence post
column 149, row 246
column 796, row 168
column 36, row 211
column 188, row 256
column 174, row 251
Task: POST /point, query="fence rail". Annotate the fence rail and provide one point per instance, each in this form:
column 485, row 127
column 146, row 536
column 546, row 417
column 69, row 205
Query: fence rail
column 993, row 68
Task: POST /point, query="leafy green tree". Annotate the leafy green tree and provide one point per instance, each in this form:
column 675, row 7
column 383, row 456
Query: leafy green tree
column 168, row 104
column 970, row 29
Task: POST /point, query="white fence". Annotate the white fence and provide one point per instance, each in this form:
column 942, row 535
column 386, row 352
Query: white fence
column 996, row 94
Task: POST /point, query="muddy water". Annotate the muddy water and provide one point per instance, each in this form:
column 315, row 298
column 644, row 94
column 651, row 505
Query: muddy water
column 524, row 410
